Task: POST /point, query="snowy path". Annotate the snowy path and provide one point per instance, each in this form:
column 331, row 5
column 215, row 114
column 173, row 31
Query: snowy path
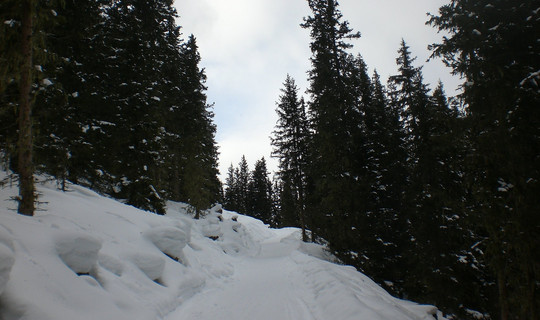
column 259, row 289
column 266, row 286
column 281, row 282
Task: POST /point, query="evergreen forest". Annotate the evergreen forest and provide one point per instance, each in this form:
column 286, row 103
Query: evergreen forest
column 434, row 197
column 118, row 101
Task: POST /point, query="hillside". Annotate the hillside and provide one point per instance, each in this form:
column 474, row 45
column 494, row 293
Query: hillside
column 84, row 256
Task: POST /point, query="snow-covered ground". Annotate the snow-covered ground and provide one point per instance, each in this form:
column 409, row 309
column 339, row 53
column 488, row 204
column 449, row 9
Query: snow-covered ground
column 84, row 256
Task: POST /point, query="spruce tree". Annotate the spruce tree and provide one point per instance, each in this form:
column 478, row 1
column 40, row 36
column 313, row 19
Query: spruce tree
column 260, row 192
column 198, row 149
column 335, row 121
column 386, row 157
column 501, row 96
column 290, row 142
column 23, row 50
column 231, row 191
column 60, row 114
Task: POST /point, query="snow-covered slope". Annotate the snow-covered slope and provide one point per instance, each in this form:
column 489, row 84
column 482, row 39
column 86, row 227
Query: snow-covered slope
column 85, row 256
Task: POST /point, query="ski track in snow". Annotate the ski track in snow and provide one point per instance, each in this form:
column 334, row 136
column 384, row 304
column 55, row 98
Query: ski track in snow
column 265, row 286
column 281, row 282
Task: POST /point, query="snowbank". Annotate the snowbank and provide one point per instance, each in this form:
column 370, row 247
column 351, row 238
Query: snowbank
column 84, row 256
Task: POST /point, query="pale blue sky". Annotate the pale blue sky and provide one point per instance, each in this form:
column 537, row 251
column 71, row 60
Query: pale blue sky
column 249, row 46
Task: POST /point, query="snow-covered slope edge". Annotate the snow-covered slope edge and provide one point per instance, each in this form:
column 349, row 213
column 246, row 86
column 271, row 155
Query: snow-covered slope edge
column 89, row 257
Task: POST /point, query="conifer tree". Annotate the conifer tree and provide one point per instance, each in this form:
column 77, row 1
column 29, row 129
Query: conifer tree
column 335, row 122
column 290, row 141
column 198, row 148
column 242, row 180
column 501, row 94
column 260, row 192
column 287, row 215
column 231, row 191
column 60, row 114
column 385, row 165
column 23, row 49
column 121, row 107
column 25, row 144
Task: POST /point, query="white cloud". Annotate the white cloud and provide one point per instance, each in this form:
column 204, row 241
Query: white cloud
column 248, row 47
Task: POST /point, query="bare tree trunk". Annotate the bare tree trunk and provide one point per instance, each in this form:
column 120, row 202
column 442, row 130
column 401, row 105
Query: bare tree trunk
column 25, row 166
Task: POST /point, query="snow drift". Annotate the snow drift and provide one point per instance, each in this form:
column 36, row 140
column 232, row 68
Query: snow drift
column 84, row 256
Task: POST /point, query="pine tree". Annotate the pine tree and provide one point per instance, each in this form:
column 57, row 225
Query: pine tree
column 290, row 141
column 23, row 48
column 121, row 107
column 502, row 97
column 197, row 134
column 59, row 108
column 385, row 155
column 231, row 191
column 243, row 178
column 335, row 121
column 260, row 192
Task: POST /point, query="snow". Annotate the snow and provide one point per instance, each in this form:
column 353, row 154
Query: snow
column 84, row 256
column 78, row 251
column 46, row 82
column 7, row 257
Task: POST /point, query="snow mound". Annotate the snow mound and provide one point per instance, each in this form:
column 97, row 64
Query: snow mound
column 150, row 264
column 169, row 240
column 78, row 251
column 111, row 264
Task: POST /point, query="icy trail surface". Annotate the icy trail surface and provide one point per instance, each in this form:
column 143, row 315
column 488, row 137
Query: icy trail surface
column 85, row 256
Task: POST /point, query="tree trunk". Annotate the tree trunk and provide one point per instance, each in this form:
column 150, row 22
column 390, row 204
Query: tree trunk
column 25, row 166
column 302, row 213
column 503, row 298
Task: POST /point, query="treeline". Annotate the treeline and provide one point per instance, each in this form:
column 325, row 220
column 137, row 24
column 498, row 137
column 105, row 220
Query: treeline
column 250, row 192
column 118, row 100
column 435, row 198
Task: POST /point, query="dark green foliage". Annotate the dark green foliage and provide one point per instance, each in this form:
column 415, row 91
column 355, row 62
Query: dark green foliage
column 389, row 179
column 24, row 33
column 242, row 185
column 494, row 46
column 335, row 119
column 237, row 188
column 260, row 192
column 123, row 108
column 291, row 142
column 230, row 200
column 250, row 192
column 197, row 154
column 382, row 255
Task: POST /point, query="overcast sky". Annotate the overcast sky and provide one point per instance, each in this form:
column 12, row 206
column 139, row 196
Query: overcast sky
column 249, row 46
